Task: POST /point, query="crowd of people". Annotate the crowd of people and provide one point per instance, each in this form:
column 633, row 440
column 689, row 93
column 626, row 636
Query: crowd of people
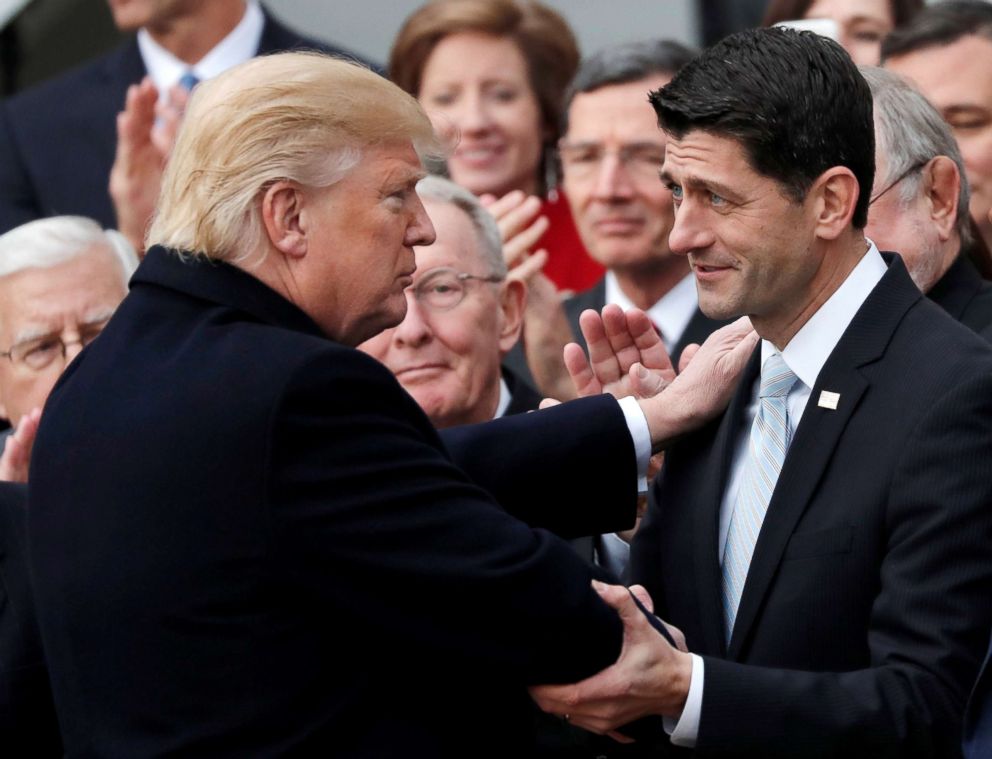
column 503, row 401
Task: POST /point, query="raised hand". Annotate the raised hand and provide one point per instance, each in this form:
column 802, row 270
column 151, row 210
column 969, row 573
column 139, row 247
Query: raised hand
column 626, row 355
column 16, row 457
column 146, row 132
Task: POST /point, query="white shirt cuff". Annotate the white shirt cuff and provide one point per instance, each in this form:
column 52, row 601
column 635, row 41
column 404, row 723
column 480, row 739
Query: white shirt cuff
column 684, row 731
column 637, row 423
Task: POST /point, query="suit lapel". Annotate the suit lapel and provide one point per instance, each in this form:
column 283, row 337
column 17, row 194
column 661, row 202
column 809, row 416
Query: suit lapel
column 819, row 434
column 706, row 515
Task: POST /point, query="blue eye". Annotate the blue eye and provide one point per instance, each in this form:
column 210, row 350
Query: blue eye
column 717, row 200
column 676, row 191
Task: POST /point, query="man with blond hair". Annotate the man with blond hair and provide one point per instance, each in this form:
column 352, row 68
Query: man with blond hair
column 287, row 559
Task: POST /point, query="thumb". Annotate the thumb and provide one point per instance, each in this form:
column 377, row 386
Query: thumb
column 646, row 384
column 618, row 598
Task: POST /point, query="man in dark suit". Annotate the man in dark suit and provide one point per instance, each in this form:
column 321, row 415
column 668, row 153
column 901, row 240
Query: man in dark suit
column 824, row 545
column 611, row 153
column 27, row 717
column 978, row 718
column 245, row 537
column 58, row 140
column 919, row 202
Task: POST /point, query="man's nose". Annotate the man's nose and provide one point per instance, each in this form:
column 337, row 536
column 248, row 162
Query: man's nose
column 415, row 329
column 689, row 231
column 612, row 180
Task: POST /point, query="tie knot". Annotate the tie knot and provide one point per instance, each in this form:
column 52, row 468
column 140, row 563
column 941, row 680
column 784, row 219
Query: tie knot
column 188, row 81
column 776, row 377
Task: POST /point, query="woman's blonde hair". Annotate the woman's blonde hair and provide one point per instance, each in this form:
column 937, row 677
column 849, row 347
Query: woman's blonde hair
column 303, row 117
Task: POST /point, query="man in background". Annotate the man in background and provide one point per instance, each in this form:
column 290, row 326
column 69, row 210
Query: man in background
column 462, row 317
column 946, row 50
column 611, row 153
column 60, row 281
column 919, row 202
column 59, row 140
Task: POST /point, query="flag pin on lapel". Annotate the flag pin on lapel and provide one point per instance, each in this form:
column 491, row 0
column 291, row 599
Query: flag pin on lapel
column 828, row 400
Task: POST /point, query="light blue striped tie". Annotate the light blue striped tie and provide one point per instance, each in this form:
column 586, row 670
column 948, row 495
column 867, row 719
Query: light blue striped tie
column 770, row 438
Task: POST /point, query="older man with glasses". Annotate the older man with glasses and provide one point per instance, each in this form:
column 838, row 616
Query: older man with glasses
column 919, row 202
column 462, row 317
column 60, row 280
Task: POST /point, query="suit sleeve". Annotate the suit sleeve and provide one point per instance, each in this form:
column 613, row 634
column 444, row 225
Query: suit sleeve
column 17, row 201
column 362, row 489
column 570, row 469
column 928, row 626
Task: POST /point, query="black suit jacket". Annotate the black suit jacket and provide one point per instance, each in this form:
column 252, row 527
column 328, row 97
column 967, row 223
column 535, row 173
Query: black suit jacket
column 866, row 608
column 697, row 330
column 963, row 294
column 57, row 140
column 523, row 397
column 247, row 539
column 978, row 718
column 27, row 716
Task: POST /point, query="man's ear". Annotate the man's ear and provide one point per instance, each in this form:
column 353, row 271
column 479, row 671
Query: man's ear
column 282, row 215
column 941, row 185
column 835, row 194
column 511, row 305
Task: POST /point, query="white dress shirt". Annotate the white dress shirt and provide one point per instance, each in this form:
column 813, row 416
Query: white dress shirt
column 240, row 45
column 671, row 314
column 805, row 355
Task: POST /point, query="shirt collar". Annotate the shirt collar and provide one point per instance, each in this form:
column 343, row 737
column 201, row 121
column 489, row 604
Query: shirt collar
column 240, row 45
column 672, row 313
column 812, row 345
column 504, row 399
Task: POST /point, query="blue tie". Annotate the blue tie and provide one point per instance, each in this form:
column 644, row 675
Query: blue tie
column 768, row 443
column 188, row 81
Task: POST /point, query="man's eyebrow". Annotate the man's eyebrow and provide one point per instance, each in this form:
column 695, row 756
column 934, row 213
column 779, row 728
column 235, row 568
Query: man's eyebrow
column 34, row 332
column 697, row 183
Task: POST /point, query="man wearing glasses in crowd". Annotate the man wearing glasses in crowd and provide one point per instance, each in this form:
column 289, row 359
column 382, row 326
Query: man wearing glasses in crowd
column 60, row 280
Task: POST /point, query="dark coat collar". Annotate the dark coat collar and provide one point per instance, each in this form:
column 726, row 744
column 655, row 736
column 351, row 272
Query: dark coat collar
column 221, row 283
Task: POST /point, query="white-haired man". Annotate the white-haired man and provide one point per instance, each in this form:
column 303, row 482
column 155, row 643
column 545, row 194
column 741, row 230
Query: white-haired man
column 287, row 559
column 60, row 280
column 462, row 317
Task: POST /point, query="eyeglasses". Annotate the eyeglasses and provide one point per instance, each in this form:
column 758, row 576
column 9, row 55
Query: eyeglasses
column 442, row 289
column 582, row 161
column 911, row 170
column 39, row 353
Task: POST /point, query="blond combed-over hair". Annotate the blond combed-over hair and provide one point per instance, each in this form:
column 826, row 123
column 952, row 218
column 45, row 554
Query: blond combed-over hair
column 303, row 117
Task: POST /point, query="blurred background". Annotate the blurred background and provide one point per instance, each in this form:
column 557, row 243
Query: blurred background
column 40, row 38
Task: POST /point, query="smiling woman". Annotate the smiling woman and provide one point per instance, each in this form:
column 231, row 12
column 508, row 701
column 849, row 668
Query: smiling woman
column 491, row 75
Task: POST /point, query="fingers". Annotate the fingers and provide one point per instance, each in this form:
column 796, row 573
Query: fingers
column 687, row 353
column 602, row 355
column 647, row 341
column 518, row 244
column 678, row 636
column 580, row 371
column 618, row 598
column 16, row 456
column 641, row 594
column 528, row 267
column 548, row 403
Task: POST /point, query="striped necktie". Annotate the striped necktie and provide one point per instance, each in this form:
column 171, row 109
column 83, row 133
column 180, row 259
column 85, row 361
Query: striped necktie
column 768, row 443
